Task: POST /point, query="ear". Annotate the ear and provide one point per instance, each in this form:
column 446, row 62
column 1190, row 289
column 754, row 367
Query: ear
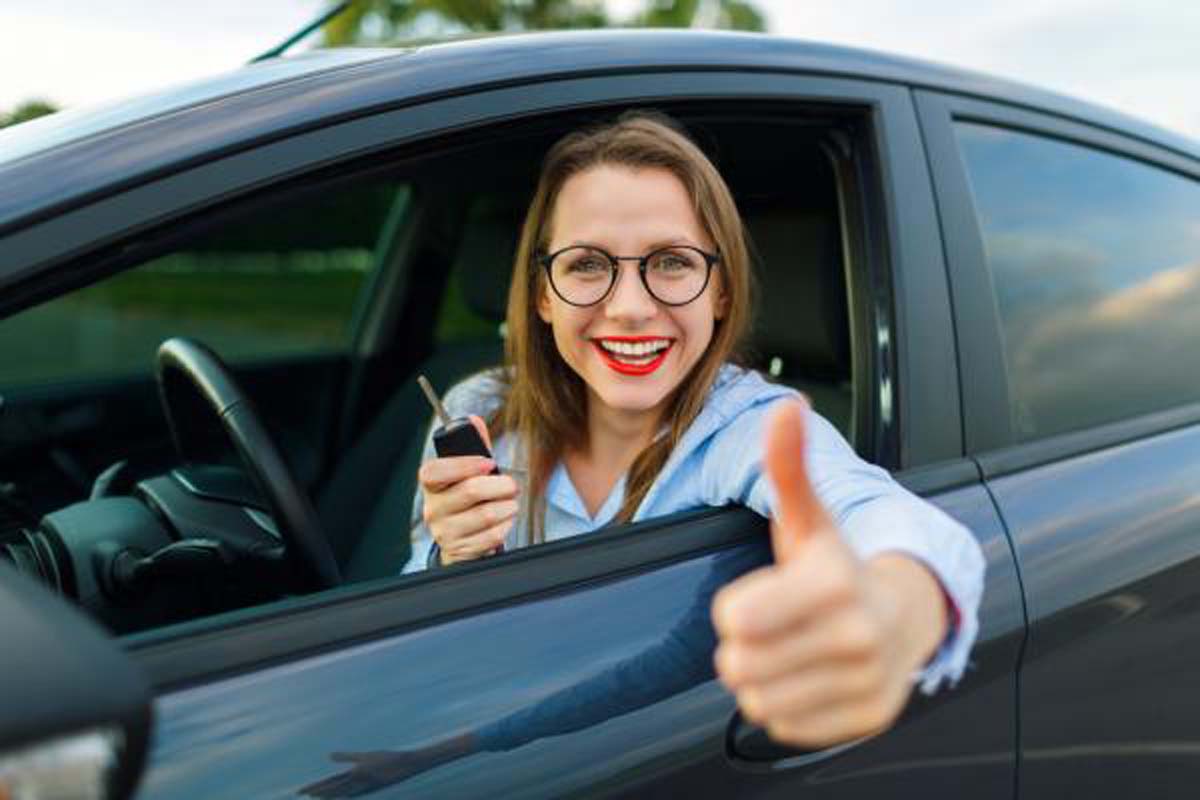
column 543, row 303
column 720, row 301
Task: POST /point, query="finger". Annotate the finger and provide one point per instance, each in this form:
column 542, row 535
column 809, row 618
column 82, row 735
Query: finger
column 438, row 473
column 834, row 724
column 481, row 545
column 457, row 528
column 841, row 641
column 773, row 600
column 798, row 512
column 806, row 694
column 481, row 426
column 471, row 492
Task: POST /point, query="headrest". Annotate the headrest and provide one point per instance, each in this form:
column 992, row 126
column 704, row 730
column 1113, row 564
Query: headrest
column 801, row 314
column 485, row 258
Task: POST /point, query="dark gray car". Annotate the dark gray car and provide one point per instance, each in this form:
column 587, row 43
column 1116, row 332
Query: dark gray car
column 214, row 303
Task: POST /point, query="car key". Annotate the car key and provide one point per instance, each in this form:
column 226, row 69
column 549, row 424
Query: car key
column 455, row 437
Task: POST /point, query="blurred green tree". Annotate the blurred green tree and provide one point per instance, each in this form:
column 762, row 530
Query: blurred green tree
column 30, row 109
column 368, row 21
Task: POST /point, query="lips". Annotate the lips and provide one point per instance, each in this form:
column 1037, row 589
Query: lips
column 617, row 361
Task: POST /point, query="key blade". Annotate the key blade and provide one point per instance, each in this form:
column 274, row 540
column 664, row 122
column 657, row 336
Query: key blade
column 427, row 388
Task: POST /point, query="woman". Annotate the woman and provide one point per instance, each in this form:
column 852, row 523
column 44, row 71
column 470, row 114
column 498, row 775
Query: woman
column 619, row 402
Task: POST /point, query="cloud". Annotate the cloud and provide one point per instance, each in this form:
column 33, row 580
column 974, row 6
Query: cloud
column 86, row 53
column 1138, row 58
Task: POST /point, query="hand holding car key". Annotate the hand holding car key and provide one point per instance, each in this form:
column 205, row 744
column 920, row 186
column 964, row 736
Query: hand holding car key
column 469, row 506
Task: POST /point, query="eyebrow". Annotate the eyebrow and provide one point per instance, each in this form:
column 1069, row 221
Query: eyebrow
column 657, row 245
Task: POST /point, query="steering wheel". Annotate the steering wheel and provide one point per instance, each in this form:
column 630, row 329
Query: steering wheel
column 188, row 370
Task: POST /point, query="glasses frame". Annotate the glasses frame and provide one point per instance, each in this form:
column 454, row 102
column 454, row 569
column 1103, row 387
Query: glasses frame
column 710, row 260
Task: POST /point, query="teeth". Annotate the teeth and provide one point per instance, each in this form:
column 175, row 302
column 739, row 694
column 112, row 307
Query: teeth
column 635, row 349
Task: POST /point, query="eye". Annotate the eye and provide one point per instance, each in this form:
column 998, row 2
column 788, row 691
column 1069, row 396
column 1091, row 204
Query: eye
column 674, row 262
column 586, row 264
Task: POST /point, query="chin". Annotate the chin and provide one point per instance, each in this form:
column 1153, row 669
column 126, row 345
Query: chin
column 634, row 400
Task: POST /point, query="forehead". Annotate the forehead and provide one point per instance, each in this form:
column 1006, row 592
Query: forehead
column 618, row 204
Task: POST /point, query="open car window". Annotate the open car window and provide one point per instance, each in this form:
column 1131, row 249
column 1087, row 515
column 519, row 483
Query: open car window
column 377, row 278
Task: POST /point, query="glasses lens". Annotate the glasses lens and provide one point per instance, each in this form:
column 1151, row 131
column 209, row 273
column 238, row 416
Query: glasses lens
column 581, row 275
column 677, row 274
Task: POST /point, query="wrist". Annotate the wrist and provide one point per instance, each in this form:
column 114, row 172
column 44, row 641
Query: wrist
column 913, row 605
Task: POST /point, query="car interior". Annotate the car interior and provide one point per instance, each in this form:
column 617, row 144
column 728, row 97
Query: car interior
column 434, row 230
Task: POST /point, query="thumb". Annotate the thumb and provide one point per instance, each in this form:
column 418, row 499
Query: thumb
column 799, row 514
column 481, row 426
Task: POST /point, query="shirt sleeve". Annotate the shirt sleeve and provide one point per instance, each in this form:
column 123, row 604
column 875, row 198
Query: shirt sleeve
column 874, row 513
column 419, row 535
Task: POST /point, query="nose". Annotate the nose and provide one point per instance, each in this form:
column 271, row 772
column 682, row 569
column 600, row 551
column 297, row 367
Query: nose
column 629, row 302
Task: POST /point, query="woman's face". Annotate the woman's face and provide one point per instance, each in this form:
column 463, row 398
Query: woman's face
column 629, row 212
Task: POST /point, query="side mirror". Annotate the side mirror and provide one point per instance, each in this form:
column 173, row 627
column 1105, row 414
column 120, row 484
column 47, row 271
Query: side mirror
column 76, row 714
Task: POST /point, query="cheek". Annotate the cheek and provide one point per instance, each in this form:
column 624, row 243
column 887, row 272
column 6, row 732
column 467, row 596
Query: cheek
column 701, row 327
column 567, row 326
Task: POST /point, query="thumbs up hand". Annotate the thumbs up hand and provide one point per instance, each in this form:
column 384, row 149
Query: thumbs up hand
column 820, row 648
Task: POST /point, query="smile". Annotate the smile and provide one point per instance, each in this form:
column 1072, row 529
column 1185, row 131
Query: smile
column 630, row 355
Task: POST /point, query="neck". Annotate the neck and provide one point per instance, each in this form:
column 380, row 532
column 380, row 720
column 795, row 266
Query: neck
column 616, row 437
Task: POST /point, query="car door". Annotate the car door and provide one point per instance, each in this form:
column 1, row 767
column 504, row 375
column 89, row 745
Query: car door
column 584, row 667
column 1074, row 255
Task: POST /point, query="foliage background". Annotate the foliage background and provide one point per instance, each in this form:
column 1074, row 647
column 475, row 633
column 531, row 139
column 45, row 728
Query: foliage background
column 375, row 21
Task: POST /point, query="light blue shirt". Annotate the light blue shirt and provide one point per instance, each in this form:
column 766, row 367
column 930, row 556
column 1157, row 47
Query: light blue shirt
column 719, row 461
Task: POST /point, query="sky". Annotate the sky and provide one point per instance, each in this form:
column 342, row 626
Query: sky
column 1142, row 57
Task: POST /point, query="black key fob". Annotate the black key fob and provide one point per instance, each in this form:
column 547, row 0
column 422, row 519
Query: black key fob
column 459, row 437
column 455, row 437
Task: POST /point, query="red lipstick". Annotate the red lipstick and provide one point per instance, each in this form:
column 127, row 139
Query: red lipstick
column 632, row 369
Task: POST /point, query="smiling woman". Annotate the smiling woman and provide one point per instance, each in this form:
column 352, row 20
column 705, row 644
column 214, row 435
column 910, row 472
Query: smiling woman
column 582, row 415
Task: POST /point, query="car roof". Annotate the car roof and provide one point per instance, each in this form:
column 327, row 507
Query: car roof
column 63, row 158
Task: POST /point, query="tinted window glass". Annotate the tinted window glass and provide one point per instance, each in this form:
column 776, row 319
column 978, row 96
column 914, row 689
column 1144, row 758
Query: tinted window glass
column 281, row 282
column 1095, row 261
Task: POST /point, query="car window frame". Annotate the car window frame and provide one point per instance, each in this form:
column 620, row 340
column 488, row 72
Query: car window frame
column 908, row 276
column 987, row 434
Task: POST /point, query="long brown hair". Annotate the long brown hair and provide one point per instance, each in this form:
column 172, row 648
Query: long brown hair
column 545, row 404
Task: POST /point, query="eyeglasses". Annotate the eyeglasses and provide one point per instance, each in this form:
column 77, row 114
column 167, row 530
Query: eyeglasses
column 583, row 275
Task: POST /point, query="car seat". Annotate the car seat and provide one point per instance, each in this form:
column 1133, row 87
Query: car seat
column 801, row 334
column 367, row 503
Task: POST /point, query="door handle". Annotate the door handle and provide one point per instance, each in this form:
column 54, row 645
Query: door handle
column 750, row 747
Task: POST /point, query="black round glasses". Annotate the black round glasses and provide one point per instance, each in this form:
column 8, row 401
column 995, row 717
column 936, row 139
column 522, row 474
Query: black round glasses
column 583, row 275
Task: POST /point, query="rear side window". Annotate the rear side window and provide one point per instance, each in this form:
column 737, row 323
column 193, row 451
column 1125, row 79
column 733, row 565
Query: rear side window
column 1095, row 262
